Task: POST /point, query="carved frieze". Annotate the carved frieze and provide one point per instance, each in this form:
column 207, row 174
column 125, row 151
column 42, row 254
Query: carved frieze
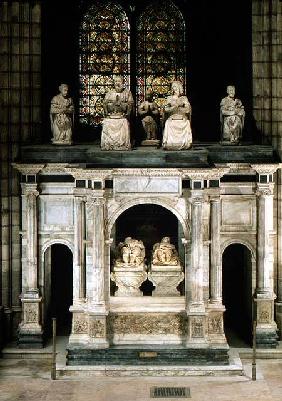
column 264, row 312
column 197, row 327
column 31, row 313
column 150, row 172
column 148, row 323
column 97, row 328
column 215, row 324
column 80, row 324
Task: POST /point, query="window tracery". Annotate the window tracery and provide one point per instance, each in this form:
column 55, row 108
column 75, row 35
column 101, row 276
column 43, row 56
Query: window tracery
column 104, row 52
column 160, row 51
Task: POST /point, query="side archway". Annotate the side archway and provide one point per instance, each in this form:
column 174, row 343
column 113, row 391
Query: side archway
column 238, row 284
column 57, row 285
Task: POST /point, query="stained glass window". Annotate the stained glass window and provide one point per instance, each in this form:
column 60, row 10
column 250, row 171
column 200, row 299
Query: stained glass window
column 160, row 50
column 104, row 52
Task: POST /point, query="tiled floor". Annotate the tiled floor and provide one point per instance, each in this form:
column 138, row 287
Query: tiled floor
column 29, row 380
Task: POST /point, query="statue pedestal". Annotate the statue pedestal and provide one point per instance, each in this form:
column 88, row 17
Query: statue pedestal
column 229, row 143
column 151, row 142
column 166, row 279
column 54, row 142
column 129, row 279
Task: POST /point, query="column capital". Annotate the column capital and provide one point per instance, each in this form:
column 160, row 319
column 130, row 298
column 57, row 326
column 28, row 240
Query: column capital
column 30, row 189
column 95, row 200
column 264, row 189
column 197, row 198
column 215, row 197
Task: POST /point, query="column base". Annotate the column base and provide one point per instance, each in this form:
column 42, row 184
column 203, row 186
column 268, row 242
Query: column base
column 30, row 340
column 266, row 330
column 266, row 338
column 89, row 328
column 30, row 334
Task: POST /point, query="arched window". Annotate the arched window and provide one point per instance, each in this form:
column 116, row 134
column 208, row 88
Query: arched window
column 160, row 50
column 104, row 52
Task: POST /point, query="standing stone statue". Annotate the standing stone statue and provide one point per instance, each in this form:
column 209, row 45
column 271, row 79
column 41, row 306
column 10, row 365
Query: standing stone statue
column 232, row 115
column 177, row 133
column 149, row 113
column 118, row 105
column 62, row 117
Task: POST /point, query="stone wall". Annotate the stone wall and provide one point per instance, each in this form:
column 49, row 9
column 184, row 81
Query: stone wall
column 267, row 70
column 20, row 109
column 267, row 105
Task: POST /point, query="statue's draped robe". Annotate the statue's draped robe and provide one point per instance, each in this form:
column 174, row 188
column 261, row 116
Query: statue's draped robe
column 61, row 115
column 232, row 116
column 116, row 127
column 177, row 133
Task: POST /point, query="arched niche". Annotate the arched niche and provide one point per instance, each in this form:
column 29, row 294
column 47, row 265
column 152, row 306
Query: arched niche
column 148, row 222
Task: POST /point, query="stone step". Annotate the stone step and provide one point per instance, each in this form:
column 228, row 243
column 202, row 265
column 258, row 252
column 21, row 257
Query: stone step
column 115, row 370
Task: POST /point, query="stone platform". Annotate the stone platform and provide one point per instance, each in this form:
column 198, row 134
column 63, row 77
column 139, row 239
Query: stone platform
column 84, row 355
column 200, row 155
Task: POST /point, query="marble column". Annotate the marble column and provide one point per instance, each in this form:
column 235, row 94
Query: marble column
column 98, row 308
column 264, row 246
column 79, row 245
column 215, row 265
column 264, row 298
column 30, row 330
column 195, row 306
column 195, row 292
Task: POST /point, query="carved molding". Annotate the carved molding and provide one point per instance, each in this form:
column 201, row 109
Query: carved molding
column 85, row 174
column 148, row 323
column 55, row 168
column 265, row 168
column 205, row 174
column 150, row 172
column 28, row 169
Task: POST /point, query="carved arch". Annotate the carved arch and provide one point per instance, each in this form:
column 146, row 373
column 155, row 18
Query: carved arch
column 56, row 241
column 134, row 202
column 233, row 241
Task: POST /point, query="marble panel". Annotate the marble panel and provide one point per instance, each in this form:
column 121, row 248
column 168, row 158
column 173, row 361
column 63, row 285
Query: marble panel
column 57, row 212
column 238, row 213
column 146, row 185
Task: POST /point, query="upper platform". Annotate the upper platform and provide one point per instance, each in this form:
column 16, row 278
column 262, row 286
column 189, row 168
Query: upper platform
column 200, row 155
